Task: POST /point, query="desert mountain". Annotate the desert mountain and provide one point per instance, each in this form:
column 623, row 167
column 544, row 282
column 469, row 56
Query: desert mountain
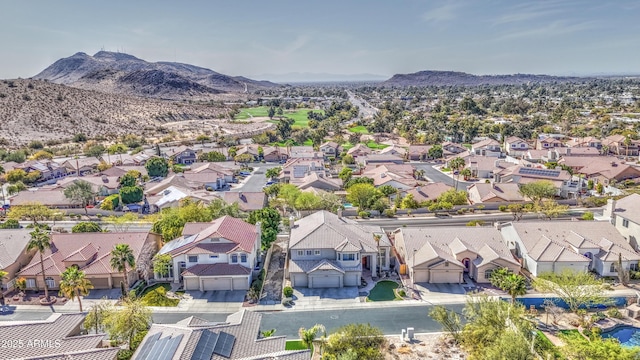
column 126, row 74
column 33, row 109
column 453, row 78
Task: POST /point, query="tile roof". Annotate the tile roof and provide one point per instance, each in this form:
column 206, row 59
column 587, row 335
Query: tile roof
column 241, row 233
column 547, row 242
column 444, row 243
column 325, row 230
column 243, row 326
column 220, row 269
column 60, row 333
column 430, row 191
column 359, row 149
column 78, row 246
column 307, row 266
column 628, row 208
column 482, row 192
column 247, row 201
column 51, row 198
column 13, row 243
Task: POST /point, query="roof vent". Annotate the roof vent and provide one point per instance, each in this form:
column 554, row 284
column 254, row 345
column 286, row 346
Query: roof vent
column 166, row 192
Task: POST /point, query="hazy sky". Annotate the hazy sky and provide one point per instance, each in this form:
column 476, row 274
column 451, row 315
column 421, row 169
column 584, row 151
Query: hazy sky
column 341, row 37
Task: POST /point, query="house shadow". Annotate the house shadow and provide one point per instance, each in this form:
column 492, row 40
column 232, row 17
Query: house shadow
column 350, row 292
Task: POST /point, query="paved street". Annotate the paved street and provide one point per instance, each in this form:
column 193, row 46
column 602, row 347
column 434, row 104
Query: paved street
column 436, row 176
column 389, row 319
column 256, row 181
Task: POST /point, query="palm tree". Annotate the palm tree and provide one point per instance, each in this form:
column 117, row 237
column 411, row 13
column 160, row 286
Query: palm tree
column 456, row 164
column 40, row 240
column 74, row 284
column 376, row 238
column 121, row 256
column 307, row 336
column 514, row 284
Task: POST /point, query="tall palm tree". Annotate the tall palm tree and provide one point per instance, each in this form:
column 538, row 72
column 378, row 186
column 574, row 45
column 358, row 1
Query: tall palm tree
column 514, row 284
column 121, row 256
column 74, row 284
column 307, row 336
column 376, row 238
column 457, row 164
column 41, row 241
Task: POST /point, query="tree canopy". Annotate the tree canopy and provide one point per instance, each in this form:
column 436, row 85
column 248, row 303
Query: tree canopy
column 157, row 166
column 269, row 219
column 80, row 192
column 86, row 227
column 576, row 288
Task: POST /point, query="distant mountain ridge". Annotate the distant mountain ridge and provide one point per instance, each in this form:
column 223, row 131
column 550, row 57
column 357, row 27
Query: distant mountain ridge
column 121, row 73
column 307, row 77
column 453, row 78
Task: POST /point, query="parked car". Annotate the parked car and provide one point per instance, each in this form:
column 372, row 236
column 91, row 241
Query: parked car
column 270, row 182
column 244, row 173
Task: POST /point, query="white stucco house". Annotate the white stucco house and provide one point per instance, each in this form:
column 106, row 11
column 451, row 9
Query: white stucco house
column 219, row 255
column 575, row 245
column 624, row 214
column 328, row 251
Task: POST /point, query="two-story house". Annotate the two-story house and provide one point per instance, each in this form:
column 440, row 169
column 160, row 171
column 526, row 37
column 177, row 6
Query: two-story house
column 515, row 146
column 219, row 255
column 182, row 155
column 294, row 170
column 330, row 149
column 328, row 251
column 624, row 214
column 487, row 147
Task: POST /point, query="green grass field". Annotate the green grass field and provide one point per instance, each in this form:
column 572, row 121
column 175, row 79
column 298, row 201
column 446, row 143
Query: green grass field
column 299, row 116
column 247, row 113
column 359, row 129
column 384, row 291
column 295, row 345
column 375, row 146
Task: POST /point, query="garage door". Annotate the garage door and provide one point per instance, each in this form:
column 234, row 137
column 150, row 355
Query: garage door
column 445, row 277
column 299, row 280
column 191, row 284
column 351, row 280
column 420, row 276
column 216, row 284
column 100, row 283
column 240, row 284
column 329, row 281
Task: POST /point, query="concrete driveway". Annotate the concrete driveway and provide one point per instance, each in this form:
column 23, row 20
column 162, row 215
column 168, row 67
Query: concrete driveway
column 111, row 294
column 440, row 289
column 312, row 299
column 219, row 296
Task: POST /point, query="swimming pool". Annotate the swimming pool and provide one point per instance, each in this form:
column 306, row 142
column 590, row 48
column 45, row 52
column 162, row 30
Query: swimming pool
column 627, row 335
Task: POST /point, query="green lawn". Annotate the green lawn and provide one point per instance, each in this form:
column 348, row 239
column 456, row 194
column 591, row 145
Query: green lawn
column 299, row 116
column 254, row 112
column 384, row 291
column 359, row 129
column 296, row 345
column 375, row 146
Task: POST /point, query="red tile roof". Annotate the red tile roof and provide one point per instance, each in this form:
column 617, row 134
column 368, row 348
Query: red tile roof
column 74, row 247
column 219, row 269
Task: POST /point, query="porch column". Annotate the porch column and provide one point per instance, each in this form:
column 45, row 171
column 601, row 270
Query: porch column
column 374, row 265
column 386, row 257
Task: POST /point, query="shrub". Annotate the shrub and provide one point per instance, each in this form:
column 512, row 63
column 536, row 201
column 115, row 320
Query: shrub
column 587, row 216
column 364, row 214
column 502, row 208
column 402, row 293
column 287, row 291
column 614, row 313
column 10, row 224
column 390, row 213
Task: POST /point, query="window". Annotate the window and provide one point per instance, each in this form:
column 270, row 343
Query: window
column 383, row 258
column 309, row 252
column 243, row 258
column 612, row 268
column 625, row 223
column 31, row 283
column 193, row 258
column 446, row 263
column 234, row 258
column 487, row 274
column 50, row 283
column 317, row 252
column 215, row 256
column 300, row 252
column 339, row 256
column 633, row 267
column 348, row 257
column 182, row 264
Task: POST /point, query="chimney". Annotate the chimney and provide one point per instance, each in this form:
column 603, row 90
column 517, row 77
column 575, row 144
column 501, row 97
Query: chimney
column 610, row 209
column 340, row 213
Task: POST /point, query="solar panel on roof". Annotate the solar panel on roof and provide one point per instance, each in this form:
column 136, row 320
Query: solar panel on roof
column 225, row 344
column 148, row 345
column 204, row 349
column 539, row 172
column 158, row 347
column 171, row 348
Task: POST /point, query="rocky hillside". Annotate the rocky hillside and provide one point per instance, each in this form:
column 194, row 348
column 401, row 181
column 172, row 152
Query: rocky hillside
column 120, row 73
column 34, row 109
column 453, row 78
